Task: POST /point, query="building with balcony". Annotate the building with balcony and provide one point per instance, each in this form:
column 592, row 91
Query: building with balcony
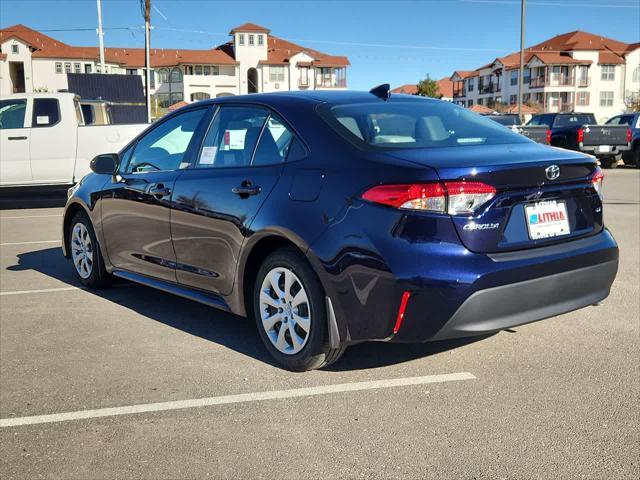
column 576, row 71
column 252, row 61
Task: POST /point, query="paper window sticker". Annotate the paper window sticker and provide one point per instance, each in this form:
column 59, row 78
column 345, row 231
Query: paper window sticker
column 208, row 155
column 42, row 119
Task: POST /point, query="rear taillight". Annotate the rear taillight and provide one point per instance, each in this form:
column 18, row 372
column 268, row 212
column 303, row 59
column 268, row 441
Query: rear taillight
column 628, row 135
column 580, row 135
column 454, row 198
column 548, row 137
column 597, row 179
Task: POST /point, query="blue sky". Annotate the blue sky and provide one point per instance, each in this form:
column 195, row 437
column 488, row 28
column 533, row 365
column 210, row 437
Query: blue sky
column 387, row 41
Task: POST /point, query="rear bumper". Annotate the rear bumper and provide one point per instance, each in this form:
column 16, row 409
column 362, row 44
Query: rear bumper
column 615, row 149
column 497, row 308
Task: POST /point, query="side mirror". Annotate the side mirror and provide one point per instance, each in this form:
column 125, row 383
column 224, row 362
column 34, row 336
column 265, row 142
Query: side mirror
column 106, row 164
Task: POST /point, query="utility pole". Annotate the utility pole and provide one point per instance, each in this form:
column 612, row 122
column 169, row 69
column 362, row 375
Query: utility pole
column 147, row 56
column 521, row 75
column 101, row 37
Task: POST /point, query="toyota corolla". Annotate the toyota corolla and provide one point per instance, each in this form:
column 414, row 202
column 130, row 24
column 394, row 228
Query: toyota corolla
column 333, row 218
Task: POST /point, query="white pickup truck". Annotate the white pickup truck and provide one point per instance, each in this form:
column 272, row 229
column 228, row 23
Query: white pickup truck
column 44, row 139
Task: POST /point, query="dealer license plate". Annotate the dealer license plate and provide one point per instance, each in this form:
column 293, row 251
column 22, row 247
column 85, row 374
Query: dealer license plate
column 547, row 219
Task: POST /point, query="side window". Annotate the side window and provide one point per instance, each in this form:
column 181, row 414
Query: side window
column 46, row 112
column 232, row 137
column 274, row 143
column 614, row 121
column 12, row 113
column 163, row 148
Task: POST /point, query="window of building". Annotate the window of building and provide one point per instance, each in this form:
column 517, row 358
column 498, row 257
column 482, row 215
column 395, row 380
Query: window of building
column 607, row 72
column 188, row 70
column 12, row 113
column 199, row 96
column 470, row 84
column 198, row 70
column 260, row 40
column 176, row 75
column 470, row 103
column 606, row 99
column 132, row 71
column 251, row 40
column 513, row 99
column 163, row 75
column 514, row 77
column 87, row 68
column 163, row 148
column 276, row 73
column 526, row 97
column 58, row 67
column 241, row 39
column 206, row 70
column 77, row 68
column 152, row 77
column 215, row 70
column 526, row 76
column 46, row 112
column 163, row 100
column 582, row 98
column 636, row 75
column 67, row 67
column 480, row 101
column 176, row 97
column 304, row 76
column 14, row 48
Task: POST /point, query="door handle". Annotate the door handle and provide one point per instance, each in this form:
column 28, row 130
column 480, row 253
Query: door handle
column 17, row 138
column 246, row 189
column 159, row 191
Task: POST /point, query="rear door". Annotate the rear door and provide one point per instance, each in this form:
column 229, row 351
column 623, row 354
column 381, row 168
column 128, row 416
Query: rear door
column 235, row 169
column 136, row 208
column 53, row 141
column 15, row 167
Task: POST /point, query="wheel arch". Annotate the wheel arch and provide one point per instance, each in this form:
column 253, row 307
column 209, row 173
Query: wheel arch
column 71, row 210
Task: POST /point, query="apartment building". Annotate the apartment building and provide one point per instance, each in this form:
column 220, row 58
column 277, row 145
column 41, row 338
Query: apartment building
column 576, row 71
column 252, row 61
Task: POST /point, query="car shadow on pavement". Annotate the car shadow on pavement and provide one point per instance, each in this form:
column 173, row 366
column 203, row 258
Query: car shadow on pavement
column 29, row 198
column 232, row 331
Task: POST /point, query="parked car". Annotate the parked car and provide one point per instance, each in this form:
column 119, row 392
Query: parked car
column 579, row 131
column 632, row 120
column 44, row 140
column 538, row 133
column 333, row 218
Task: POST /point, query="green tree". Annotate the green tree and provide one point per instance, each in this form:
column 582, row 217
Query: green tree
column 428, row 88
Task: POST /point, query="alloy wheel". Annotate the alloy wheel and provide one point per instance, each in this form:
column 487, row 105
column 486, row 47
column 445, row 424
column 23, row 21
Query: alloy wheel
column 285, row 310
column 82, row 250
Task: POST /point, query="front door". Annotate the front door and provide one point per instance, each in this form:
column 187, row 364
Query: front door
column 136, row 205
column 216, row 200
column 14, row 143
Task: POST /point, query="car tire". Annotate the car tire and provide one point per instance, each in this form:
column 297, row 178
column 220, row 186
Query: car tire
column 609, row 162
column 290, row 312
column 85, row 254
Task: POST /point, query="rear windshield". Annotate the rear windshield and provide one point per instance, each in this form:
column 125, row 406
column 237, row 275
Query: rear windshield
column 417, row 124
column 573, row 120
column 506, row 120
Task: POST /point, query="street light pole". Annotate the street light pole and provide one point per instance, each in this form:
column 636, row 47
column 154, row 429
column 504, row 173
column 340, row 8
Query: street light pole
column 147, row 56
column 521, row 75
column 101, row 37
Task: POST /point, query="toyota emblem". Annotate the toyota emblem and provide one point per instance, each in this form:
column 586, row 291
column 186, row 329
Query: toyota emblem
column 552, row 172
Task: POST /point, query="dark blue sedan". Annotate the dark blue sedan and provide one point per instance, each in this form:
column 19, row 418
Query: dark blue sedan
column 339, row 217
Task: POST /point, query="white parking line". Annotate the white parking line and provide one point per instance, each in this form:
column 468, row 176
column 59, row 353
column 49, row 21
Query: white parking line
column 42, row 290
column 30, row 216
column 29, row 243
column 240, row 398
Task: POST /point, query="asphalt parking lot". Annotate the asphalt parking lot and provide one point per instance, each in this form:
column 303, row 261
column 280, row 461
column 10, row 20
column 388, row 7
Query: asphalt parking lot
column 129, row 382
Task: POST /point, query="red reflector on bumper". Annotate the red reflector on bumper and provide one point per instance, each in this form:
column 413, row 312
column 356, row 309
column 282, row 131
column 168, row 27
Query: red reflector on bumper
column 403, row 307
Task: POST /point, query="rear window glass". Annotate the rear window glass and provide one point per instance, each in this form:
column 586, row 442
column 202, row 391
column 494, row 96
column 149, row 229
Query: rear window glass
column 417, row 124
column 506, row 120
column 573, row 120
column 46, row 112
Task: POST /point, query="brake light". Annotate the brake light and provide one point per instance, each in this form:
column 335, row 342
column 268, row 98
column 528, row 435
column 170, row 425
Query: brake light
column 452, row 197
column 628, row 135
column 597, row 180
column 548, row 137
column 580, row 135
column 416, row 196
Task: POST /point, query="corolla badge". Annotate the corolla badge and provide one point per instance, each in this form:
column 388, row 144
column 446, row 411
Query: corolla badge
column 481, row 226
column 552, row 172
